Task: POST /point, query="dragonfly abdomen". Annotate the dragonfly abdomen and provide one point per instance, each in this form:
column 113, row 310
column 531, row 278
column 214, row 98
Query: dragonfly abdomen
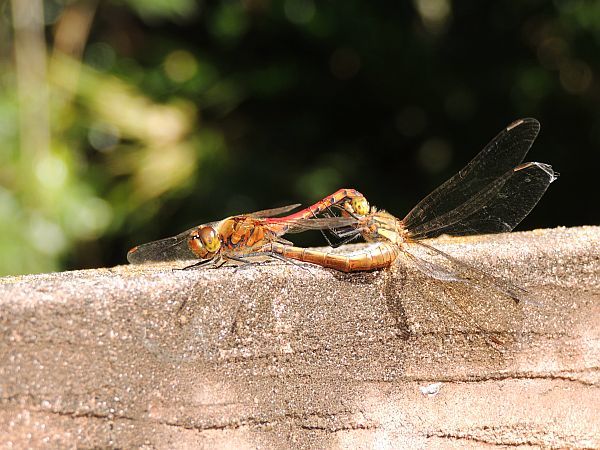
column 377, row 256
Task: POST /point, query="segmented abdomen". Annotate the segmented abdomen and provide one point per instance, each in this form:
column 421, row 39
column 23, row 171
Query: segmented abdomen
column 376, row 256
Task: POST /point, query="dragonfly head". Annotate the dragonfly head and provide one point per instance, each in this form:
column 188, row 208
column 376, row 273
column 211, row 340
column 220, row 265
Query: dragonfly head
column 359, row 206
column 205, row 242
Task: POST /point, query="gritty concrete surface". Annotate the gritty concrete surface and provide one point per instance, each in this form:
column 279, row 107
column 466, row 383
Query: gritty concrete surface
column 274, row 356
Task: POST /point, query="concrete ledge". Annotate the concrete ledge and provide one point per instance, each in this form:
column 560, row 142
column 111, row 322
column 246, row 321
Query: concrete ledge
column 274, row 356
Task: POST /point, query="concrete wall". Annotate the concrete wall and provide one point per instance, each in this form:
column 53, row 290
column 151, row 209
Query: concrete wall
column 275, row 356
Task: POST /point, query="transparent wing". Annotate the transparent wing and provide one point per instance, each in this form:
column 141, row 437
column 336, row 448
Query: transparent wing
column 168, row 249
column 479, row 300
column 272, row 212
column 482, row 182
column 497, row 207
column 319, row 223
column 444, row 267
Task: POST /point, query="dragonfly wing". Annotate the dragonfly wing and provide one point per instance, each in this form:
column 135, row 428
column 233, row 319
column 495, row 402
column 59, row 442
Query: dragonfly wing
column 503, row 153
column 272, row 212
column 497, row 207
column 320, row 223
column 479, row 299
column 168, row 249
column 444, row 267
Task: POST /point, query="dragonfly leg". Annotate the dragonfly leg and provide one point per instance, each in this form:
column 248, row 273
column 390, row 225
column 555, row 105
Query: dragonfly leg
column 341, row 236
column 329, row 241
column 325, row 232
column 288, row 261
column 283, row 241
column 348, row 236
column 198, row 265
column 220, row 263
column 275, row 255
column 240, row 259
column 244, row 260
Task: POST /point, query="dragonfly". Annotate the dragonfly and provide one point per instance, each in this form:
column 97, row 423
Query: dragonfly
column 493, row 193
column 242, row 238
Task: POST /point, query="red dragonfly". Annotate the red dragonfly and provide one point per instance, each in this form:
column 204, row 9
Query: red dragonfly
column 241, row 238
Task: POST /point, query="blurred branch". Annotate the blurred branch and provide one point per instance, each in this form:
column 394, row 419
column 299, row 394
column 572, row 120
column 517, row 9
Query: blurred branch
column 32, row 86
column 72, row 31
column 73, row 28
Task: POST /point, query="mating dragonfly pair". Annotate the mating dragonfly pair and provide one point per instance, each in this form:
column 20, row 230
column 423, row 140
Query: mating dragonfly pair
column 492, row 194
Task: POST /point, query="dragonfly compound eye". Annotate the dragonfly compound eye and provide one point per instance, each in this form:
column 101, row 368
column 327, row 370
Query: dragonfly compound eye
column 360, row 205
column 210, row 239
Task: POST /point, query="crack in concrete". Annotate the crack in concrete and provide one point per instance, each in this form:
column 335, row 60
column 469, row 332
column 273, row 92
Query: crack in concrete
column 550, row 376
column 470, row 438
column 90, row 415
column 337, row 421
column 521, row 433
column 349, row 427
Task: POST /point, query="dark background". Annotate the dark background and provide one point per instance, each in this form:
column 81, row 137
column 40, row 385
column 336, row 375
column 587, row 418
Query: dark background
column 254, row 104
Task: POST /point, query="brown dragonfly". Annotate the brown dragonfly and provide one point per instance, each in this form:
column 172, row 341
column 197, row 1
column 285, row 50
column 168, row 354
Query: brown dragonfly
column 492, row 194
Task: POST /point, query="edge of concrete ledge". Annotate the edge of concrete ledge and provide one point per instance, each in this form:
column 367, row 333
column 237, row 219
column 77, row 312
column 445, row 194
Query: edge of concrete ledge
column 277, row 356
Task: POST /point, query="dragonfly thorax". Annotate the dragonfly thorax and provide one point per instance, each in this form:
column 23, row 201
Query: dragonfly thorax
column 383, row 226
column 243, row 235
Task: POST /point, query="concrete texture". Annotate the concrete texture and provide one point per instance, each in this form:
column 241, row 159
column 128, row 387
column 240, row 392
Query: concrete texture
column 274, row 356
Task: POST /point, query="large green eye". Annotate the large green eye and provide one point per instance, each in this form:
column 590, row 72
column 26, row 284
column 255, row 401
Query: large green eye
column 209, row 238
column 360, row 205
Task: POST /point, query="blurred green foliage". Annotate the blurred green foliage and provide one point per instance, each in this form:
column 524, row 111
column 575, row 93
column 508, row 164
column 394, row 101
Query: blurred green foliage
column 127, row 120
